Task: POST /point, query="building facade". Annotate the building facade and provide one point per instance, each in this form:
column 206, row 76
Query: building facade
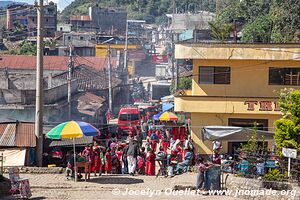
column 26, row 15
column 236, row 85
column 81, row 23
column 108, row 20
column 83, row 43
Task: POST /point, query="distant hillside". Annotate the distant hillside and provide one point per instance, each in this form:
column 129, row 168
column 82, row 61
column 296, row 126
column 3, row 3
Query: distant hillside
column 153, row 11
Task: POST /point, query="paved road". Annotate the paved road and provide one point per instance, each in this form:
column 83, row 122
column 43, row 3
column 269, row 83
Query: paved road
column 55, row 186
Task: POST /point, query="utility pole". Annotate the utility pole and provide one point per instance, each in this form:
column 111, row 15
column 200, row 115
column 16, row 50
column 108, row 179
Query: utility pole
column 70, row 68
column 126, row 64
column 177, row 74
column 172, row 57
column 173, row 46
column 109, row 78
column 39, row 85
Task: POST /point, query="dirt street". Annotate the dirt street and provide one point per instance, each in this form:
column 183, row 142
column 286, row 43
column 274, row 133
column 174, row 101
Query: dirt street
column 56, row 186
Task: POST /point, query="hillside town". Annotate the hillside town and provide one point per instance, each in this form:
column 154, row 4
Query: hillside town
column 150, row 99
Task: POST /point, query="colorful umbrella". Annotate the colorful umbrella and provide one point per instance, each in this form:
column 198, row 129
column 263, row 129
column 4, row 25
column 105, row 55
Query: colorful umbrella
column 156, row 117
column 72, row 130
column 168, row 116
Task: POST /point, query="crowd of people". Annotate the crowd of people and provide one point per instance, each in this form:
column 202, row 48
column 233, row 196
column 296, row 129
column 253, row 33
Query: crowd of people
column 135, row 157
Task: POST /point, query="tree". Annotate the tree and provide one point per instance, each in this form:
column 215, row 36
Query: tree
column 220, row 30
column 265, row 20
column 185, row 83
column 259, row 30
column 26, row 48
column 287, row 133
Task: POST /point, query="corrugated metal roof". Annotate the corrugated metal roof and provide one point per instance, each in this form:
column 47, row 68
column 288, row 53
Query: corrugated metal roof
column 2, row 128
column 89, row 78
column 51, row 62
column 25, row 136
column 17, row 135
column 69, row 142
column 8, row 136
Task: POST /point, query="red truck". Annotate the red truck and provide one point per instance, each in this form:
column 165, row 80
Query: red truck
column 128, row 116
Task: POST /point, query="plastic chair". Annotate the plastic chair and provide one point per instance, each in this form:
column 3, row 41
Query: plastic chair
column 19, row 186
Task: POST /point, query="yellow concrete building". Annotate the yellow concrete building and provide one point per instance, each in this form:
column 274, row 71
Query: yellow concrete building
column 101, row 51
column 236, row 85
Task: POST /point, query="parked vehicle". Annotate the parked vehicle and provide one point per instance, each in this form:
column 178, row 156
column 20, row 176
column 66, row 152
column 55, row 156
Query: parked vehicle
column 128, row 116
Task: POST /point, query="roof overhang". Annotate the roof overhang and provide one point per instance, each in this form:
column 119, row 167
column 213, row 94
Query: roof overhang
column 227, row 51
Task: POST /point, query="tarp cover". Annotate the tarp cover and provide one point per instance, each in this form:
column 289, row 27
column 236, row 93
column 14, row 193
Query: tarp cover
column 232, row 133
column 13, row 157
column 167, row 106
column 68, row 142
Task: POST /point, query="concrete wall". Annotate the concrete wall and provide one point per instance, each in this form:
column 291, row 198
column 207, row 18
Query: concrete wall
column 27, row 113
column 81, row 25
column 106, row 19
column 214, row 104
column 248, row 78
column 27, row 97
column 53, row 95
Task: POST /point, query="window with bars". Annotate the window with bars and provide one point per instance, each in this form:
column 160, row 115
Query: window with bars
column 284, row 76
column 214, row 75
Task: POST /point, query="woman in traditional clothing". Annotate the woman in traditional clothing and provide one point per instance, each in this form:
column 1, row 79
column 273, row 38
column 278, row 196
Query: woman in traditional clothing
column 165, row 141
column 108, row 161
column 96, row 161
column 176, row 151
column 150, row 163
column 154, row 141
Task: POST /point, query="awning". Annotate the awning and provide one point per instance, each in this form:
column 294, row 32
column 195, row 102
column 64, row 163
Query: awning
column 169, row 98
column 13, row 157
column 232, row 133
column 69, row 142
column 167, row 106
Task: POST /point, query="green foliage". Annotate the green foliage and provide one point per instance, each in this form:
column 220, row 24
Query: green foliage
column 265, row 20
column 252, row 144
column 26, row 48
column 259, row 30
column 150, row 10
column 185, row 83
column 275, row 175
column 220, row 30
column 287, row 132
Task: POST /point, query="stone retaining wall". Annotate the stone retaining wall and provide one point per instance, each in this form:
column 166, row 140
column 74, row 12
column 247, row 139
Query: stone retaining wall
column 39, row 170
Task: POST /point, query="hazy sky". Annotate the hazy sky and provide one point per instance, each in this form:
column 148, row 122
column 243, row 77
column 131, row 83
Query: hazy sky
column 61, row 4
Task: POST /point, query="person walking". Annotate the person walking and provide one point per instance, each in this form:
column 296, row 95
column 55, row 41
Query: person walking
column 132, row 153
column 108, row 161
column 124, row 159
